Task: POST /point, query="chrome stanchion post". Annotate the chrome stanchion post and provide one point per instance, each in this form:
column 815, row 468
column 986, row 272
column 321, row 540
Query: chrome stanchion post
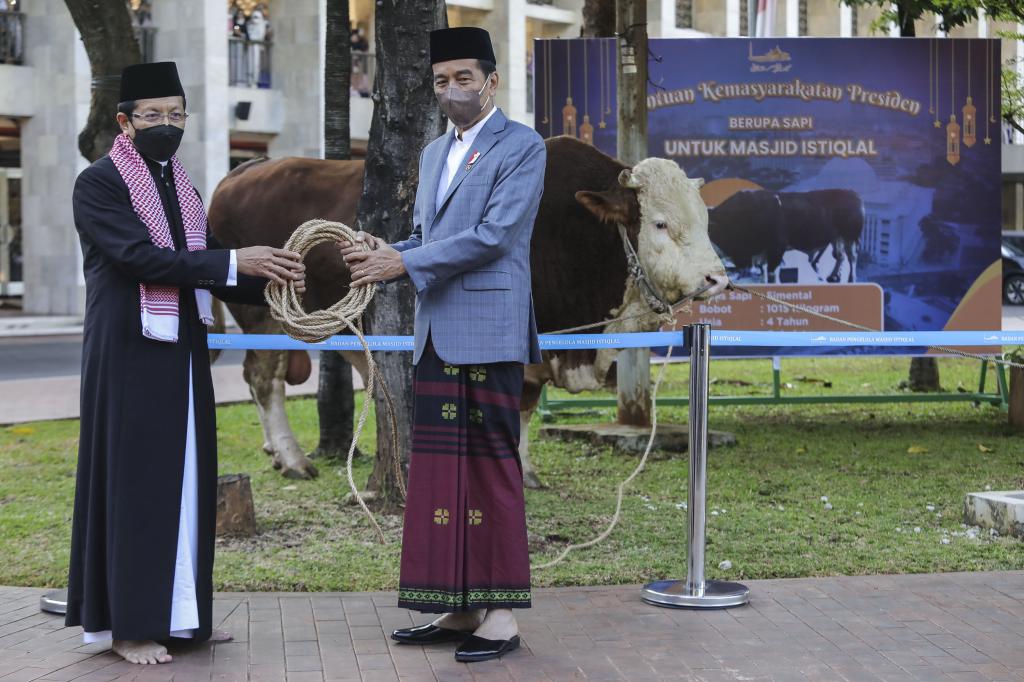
column 695, row 592
column 54, row 602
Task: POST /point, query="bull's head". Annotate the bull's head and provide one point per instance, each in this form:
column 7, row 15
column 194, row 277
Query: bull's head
column 668, row 221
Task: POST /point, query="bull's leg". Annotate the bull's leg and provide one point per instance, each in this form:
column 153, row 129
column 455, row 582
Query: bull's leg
column 851, row 257
column 837, row 253
column 527, row 406
column 267, row 447
column 265, row 373
column 815, row 257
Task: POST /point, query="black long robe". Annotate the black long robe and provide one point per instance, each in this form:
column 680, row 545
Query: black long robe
column 135, row 411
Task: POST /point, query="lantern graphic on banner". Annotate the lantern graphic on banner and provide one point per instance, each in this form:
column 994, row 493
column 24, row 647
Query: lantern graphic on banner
column 953, row 141
column 587, row 130
column 569, row 118
column 970, row 123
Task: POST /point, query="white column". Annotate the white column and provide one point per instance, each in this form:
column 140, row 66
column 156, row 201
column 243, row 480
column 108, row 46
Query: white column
column 939, row 33
column 982, row 23
column 297, row 50
column 732, row 17
column 792, row 18
column 193, row 33
column 845, row 21
column 507, row 25
column 50, row 160
column 894, row 29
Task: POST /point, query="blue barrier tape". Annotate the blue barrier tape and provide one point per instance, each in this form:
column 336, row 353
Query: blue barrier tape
column 648, row 340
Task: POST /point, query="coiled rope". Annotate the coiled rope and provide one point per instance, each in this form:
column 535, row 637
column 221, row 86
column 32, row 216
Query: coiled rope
column 286, row 307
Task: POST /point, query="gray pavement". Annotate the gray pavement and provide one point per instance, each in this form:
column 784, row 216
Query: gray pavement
column 956, row 626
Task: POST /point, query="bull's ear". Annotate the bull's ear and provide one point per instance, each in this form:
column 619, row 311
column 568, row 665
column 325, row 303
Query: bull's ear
column 607, row 206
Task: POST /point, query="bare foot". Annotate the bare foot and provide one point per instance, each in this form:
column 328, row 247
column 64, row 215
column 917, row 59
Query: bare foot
column 498, row 624
column 464, row 621
column 221, row 636
column 140, row 651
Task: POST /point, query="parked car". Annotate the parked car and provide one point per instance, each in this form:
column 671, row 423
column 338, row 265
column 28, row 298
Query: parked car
column 1013, row 268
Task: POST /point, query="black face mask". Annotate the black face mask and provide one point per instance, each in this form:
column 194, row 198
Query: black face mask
column 159, row 142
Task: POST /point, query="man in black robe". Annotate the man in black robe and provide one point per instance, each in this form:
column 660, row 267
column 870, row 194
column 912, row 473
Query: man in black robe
column 145, row 502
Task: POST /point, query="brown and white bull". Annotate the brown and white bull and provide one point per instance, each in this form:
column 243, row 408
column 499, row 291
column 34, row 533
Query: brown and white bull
column 579, row 267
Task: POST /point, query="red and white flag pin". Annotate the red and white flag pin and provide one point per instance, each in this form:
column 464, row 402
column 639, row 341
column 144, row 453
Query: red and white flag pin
column 472, row 160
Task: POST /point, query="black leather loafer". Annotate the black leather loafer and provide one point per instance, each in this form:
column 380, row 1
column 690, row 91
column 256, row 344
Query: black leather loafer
column 475, row 648
column 427, row 634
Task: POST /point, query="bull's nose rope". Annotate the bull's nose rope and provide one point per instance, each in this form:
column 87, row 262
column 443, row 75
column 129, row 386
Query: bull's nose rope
column 286, row 308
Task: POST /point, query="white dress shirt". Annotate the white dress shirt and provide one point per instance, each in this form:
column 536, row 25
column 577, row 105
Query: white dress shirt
column 457, row 155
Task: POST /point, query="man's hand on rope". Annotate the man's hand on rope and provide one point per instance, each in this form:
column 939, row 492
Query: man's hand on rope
column 379, row 265
column 276, row 265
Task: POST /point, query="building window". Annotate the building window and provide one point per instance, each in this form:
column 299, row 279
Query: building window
column 12, row 44
column 249, row 40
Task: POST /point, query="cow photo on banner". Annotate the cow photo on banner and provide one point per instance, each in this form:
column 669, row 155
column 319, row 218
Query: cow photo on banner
column 857, row 178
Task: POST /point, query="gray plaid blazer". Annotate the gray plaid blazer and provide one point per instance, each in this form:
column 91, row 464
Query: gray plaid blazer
column 469, row 257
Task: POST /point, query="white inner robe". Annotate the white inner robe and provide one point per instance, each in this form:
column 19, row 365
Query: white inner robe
column 184, row 606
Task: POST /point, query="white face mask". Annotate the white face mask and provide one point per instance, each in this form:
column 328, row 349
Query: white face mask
column 462, row 106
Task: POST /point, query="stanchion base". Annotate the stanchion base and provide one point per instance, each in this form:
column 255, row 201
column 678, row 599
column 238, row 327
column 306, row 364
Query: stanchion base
column 54, row 602
column 717, row 594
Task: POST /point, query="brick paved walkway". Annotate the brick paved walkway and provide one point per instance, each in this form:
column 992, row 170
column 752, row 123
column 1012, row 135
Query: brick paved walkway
column 922, row 627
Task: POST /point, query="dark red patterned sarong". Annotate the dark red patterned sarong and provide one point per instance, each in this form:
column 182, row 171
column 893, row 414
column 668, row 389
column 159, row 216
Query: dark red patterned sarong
column 464, row 544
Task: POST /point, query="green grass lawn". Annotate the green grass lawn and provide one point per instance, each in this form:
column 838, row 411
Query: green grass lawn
column 880, row 466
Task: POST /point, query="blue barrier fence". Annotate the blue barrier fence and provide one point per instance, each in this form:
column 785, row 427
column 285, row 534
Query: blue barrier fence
column 993, row 339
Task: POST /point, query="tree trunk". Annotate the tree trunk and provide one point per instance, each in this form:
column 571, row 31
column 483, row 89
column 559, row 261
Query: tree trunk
column 236, row 514
column 906, row 20
column 335, row 406
column 1017, row 398
column 337, row 81
column 110, row 43
column 924, row 372
column 405, row 119
column 598, row 19
column 335, row 401
column 924, row 375
column 633, row 366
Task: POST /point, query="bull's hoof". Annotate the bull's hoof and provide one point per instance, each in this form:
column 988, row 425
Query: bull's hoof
column 267, row 448
column 833, row 279
column 304, row 471
column 531, row 481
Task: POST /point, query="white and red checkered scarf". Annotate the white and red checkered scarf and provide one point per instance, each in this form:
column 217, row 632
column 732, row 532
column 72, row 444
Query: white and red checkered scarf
column 160, row 303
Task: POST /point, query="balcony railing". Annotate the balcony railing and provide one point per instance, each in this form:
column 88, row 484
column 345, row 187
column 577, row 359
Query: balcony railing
column 249, row 62
column 12, row 44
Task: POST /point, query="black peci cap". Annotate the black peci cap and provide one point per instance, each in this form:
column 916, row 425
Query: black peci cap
column 466, row 42
column 150, row 81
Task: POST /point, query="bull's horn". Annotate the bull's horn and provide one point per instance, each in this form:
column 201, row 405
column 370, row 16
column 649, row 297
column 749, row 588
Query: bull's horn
column 697, row 182
column 626, row 179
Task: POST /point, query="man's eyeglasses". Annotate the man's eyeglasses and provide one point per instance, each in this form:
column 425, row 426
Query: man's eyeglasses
column 175, row 117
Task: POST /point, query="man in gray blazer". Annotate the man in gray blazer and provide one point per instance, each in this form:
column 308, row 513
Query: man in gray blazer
column 464, row 551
